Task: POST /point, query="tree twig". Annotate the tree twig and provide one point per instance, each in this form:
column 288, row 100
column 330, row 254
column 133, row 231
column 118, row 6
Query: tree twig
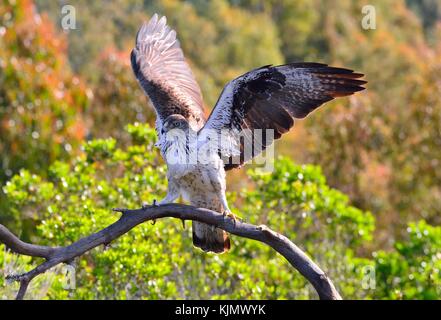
column 131, row 218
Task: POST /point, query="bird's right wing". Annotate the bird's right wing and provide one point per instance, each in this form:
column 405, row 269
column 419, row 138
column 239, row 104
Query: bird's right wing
column 160, row 67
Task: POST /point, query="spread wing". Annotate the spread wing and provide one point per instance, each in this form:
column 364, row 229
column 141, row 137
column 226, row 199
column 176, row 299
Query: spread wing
column 159, row 65
column 271, row 98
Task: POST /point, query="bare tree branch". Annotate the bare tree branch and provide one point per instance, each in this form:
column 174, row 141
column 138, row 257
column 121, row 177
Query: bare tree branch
column 131, row 218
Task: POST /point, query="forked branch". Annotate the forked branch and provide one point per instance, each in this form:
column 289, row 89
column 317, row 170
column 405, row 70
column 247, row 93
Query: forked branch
column 131, row 218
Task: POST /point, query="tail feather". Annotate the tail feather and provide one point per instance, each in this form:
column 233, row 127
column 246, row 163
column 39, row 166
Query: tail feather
column 209, row 238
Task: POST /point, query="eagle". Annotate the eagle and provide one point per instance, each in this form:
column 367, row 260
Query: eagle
column 267, row 99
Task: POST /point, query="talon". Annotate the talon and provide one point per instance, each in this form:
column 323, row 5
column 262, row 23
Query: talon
column 153, row 222
column 235, row 218
column 183, row 223
column 155, row 204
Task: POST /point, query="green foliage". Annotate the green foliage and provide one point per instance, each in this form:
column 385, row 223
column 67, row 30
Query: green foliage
column 413, row 271
column 312, row 206
column 296, row 201
column 159, row 262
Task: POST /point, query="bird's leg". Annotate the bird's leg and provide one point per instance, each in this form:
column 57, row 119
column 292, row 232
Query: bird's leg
column 171, row 196
column 227, row 212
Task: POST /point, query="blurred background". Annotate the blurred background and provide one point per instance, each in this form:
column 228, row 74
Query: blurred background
column 382, row 148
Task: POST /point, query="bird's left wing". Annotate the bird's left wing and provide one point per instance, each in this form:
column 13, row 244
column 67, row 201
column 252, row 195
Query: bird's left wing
column 271, row 97
column 160, row 67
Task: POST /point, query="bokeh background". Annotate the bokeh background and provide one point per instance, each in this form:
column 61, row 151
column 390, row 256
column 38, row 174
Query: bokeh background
column 75, row 141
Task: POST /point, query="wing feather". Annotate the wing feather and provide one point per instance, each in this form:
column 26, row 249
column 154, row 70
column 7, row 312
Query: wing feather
column 271, row 97
column 160, row 67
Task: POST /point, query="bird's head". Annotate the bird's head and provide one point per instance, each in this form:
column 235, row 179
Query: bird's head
column 175, row 121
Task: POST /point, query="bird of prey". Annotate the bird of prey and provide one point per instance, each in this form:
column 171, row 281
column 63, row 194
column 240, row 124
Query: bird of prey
column 268, row 99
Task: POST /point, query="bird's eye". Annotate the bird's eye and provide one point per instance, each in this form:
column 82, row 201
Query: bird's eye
column 176, row 124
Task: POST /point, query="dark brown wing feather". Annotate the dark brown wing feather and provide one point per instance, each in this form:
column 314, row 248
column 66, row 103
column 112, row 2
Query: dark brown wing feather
column 272, row 97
